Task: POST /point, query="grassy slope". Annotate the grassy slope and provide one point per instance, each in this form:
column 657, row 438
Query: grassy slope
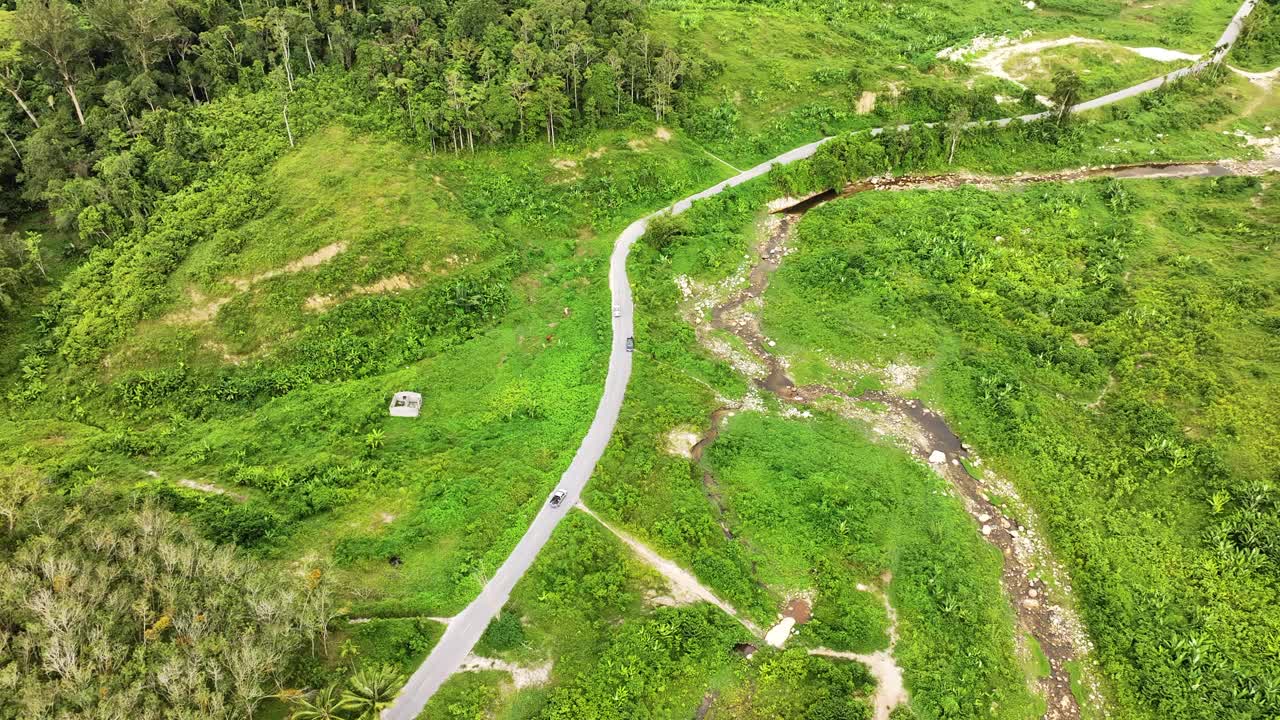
column 820, row 506
column 1177, row 317
column 502, row 411
column 1259, row 46
column 782, row 75
column 1102, row 68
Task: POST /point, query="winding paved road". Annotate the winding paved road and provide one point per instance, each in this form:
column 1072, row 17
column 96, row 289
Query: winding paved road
column 465, row 628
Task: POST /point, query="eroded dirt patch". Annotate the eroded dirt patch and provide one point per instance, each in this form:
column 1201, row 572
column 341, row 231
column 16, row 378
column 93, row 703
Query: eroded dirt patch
column 1038, row 588
column 204, row 487
column 993, row 55
column 799, row 608
column 522, row 676
column 891, row 691
column 315, row 259
column 681, row 440
column 393, row 283
column 684, row 587
column 203, row 309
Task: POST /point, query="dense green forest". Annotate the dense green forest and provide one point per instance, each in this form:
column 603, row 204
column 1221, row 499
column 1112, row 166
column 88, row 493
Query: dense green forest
column 230, row 230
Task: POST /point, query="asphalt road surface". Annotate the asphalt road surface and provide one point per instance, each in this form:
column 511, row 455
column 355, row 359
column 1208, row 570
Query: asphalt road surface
column 466, row 627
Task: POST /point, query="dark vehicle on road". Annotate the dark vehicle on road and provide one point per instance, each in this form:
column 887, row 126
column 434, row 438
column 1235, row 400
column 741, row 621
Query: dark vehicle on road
column 631, row 344
column 557, row 498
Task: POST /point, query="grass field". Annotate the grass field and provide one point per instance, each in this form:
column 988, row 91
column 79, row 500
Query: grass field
column 814, row 507
column 820, row 507
column 1102, row 68
column 588, row 610
column 773, row 76
column 503, row 254
column 235, row 362
column 1112, row 347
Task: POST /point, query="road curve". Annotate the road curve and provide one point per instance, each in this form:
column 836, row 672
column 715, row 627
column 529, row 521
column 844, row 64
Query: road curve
column 464, row 630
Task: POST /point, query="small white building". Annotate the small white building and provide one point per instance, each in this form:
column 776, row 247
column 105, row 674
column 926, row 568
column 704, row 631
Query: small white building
column 406, row 404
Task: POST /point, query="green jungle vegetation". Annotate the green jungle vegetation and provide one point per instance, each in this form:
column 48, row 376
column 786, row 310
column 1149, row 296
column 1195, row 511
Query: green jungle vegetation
column 660, row 497
column 589, row 605
column 229, row 231
column 1259, row 46
column 1112, row 347
column 775, row 78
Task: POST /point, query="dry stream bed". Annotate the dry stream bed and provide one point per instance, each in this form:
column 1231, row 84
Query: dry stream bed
column 1038, row 588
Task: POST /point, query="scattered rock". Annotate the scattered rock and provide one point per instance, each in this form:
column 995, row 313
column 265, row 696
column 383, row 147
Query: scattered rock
column 680, row 442
column 937, row 457
column 778, row 634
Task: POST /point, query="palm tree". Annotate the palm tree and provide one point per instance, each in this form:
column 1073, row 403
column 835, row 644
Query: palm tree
column 372, row 689
column 325, row 704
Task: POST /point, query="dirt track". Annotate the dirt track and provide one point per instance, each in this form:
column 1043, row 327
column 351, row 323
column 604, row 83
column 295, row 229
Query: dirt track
column 923, row 433
column 1043, row 610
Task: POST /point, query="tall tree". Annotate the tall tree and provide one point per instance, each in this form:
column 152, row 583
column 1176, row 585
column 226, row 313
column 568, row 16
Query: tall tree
column 554, row 104
column 667, row 72
column 957, row 124
column 143, row 28
column 13, row 75
column 56, row 29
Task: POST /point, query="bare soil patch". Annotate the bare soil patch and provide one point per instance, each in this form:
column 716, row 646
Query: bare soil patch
column 681, row 440
column 799, row 609
column 315, row 259
column 204, row 309
column 393, row 283
column 685, row 588
column 522, row 676
column 204, row 487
